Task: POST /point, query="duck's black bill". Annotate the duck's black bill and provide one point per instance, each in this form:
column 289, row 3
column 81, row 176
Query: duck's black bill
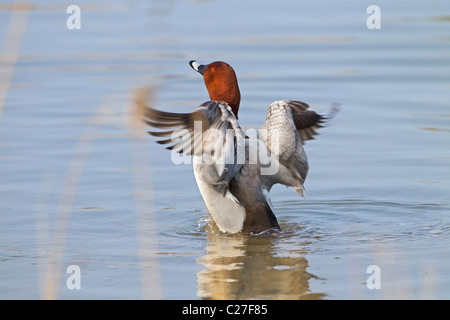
column 200, row 68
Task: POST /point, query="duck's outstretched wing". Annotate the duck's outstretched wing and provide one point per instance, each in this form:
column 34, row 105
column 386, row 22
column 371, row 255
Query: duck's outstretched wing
column 288, row 125
column 211, row 133
column 306, row 121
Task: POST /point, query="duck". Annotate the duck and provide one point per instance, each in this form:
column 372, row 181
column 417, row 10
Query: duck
column 235, row 171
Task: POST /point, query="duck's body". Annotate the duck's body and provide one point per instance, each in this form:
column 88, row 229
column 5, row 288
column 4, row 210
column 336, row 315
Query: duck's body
column 235, row 173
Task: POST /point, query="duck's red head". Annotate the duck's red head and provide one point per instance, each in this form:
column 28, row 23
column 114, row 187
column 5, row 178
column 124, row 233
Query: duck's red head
column 221, row 82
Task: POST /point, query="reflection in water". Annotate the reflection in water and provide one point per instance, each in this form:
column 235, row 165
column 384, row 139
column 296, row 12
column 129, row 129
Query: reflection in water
column 242, row 267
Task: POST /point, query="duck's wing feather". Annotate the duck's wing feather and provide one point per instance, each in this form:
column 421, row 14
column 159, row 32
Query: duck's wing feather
column 210, row 132
column 306, row 121
column 288, row 125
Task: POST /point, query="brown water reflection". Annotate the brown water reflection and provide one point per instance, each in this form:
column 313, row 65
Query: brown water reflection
column 241, row 267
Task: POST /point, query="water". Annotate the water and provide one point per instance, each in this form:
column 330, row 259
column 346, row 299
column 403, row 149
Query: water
column 82, row 184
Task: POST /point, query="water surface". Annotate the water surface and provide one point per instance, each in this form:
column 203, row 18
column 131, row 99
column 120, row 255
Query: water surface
column 82, row 184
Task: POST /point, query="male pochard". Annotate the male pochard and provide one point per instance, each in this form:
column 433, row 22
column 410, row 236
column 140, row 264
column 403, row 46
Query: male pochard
column 234, row 172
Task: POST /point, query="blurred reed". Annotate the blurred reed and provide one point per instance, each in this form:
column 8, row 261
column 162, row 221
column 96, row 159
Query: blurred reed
column 11, row 46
